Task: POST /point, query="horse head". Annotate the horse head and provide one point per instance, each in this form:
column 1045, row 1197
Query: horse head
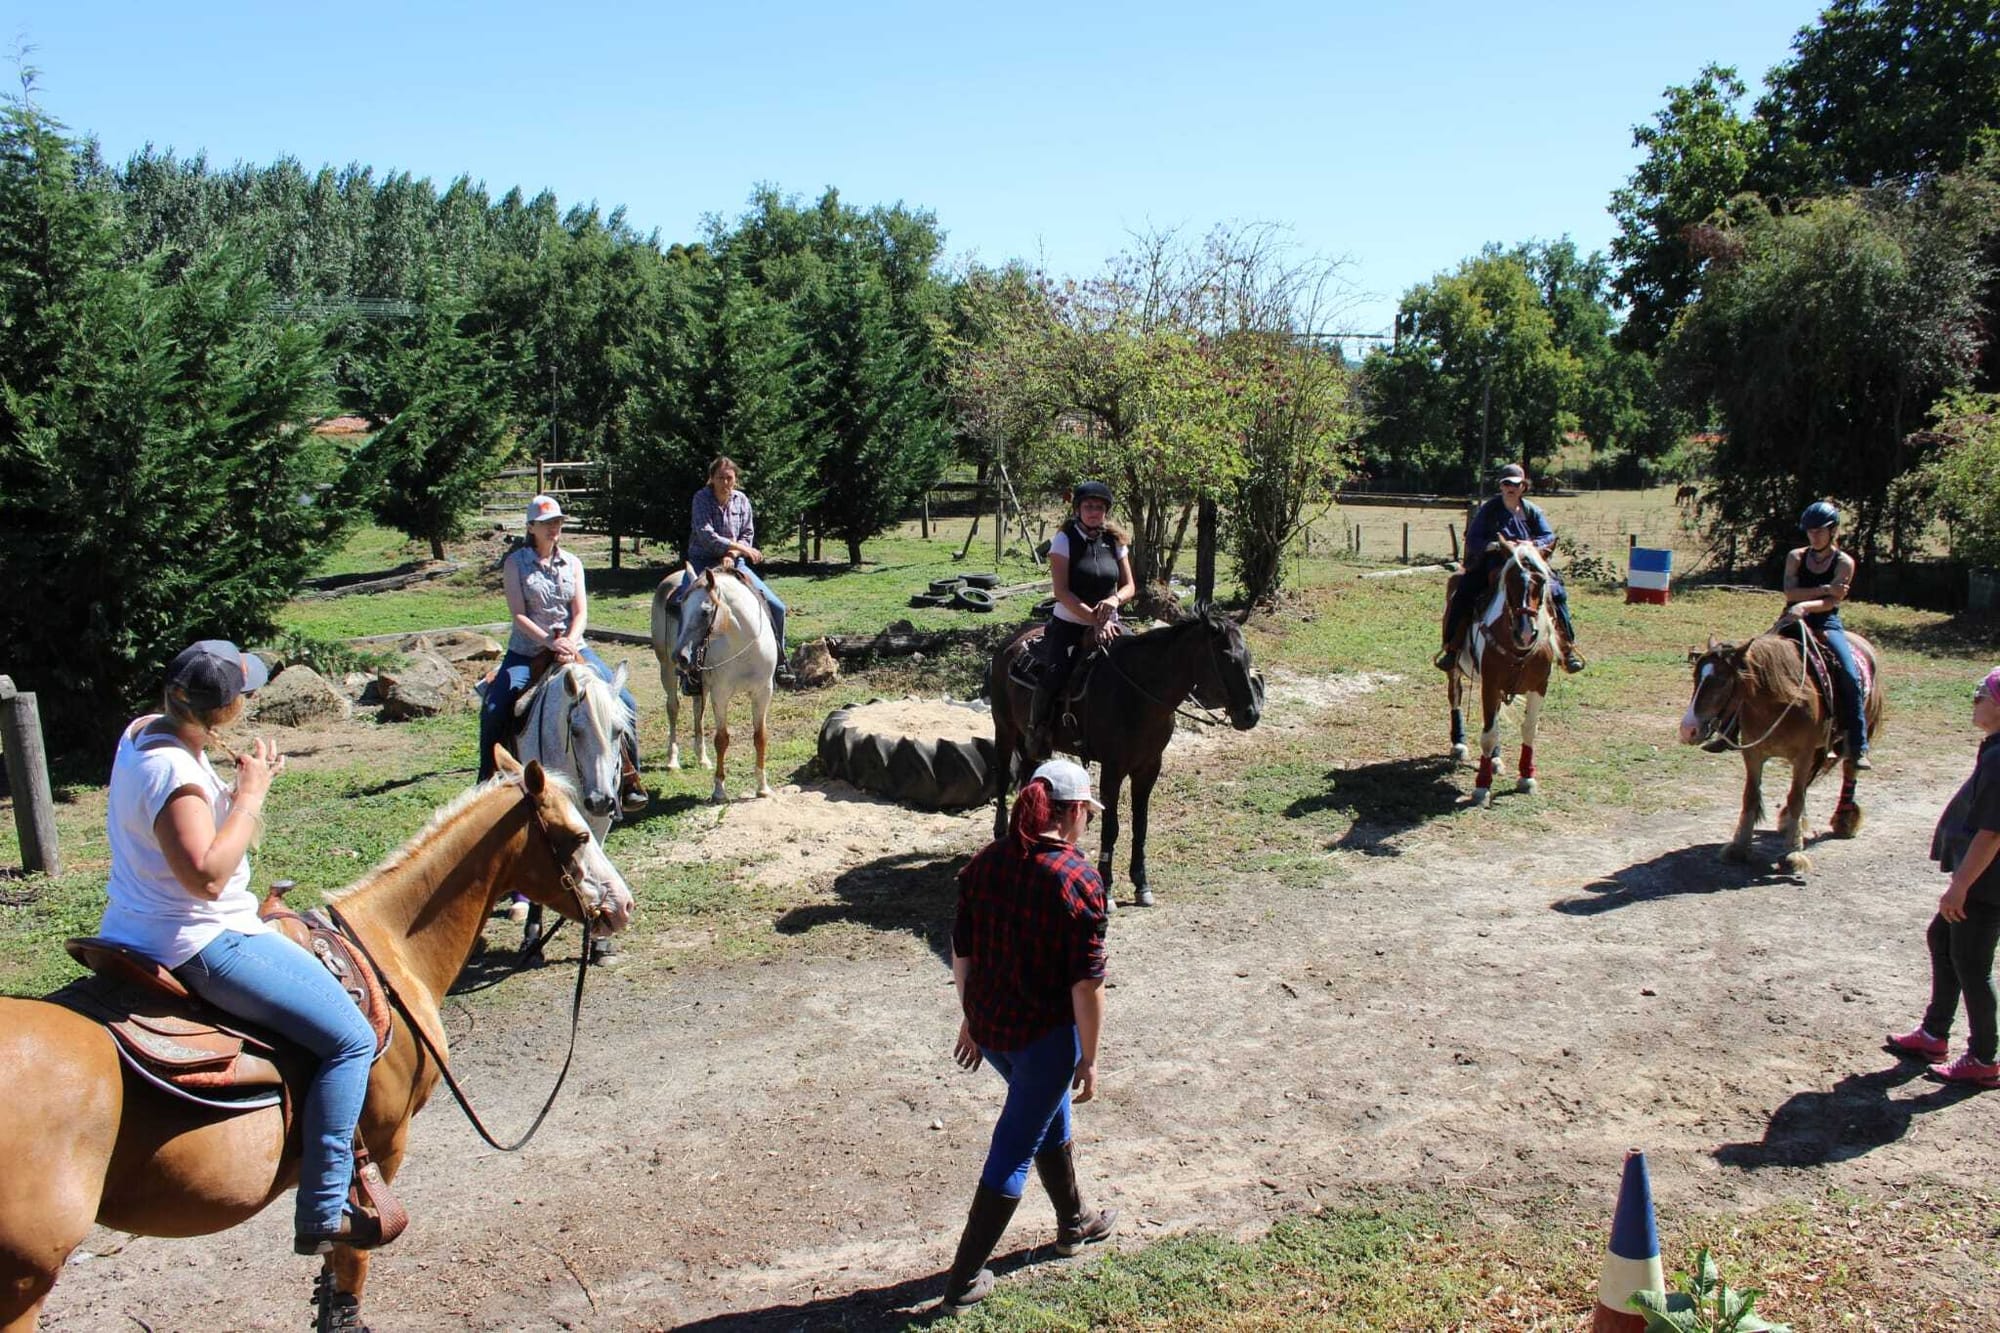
column 1718, row 670
column 1225, row 680
column 566, row 868
column 575, row 724
column 696, row 611
column 1524, row 588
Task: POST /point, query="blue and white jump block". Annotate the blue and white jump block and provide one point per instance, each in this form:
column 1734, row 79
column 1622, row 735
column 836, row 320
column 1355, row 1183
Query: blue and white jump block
column 1647, row 575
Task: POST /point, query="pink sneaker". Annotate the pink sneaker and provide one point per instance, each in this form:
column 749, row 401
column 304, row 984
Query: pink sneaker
column 1965, row 1069
column 1919, row 1042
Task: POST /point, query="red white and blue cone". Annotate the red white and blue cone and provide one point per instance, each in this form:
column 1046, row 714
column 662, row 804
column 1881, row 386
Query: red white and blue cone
column 1633, row 1261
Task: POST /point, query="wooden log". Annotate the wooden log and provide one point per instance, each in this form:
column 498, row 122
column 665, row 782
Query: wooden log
column 898, row 643
column 28, row 780
column 317, row 590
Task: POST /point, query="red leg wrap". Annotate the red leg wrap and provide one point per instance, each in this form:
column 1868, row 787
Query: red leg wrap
column 1485, row 770
column 1527, row 761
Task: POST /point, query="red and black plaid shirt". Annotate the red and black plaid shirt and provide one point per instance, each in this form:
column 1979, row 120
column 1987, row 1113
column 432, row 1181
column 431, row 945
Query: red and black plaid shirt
column 1033, row 925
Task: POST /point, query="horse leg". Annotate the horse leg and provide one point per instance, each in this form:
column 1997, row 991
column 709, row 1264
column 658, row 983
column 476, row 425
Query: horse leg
column 760, row 706
column 700, row 735
column 672, row 684
column 718, row 795
column 1489, row 744
column 1109, row 780
column 1792, row 826
column 1846, row 812
column 1531, row 716
column 1454, row 688
column 1142, row 796
column 1738, row 847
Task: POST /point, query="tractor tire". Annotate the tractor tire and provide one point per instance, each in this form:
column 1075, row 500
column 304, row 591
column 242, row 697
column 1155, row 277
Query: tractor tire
column 973, row 599
column 924, row 772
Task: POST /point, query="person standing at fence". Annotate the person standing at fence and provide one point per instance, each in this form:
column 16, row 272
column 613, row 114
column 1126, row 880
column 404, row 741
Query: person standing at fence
column 1966, row 929
column 1028, row 960
column 723, row 526
column 1509, row 514
column 546, row 597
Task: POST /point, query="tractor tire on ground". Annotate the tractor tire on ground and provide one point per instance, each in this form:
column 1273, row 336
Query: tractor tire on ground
column 925, row 772
column 973, row 599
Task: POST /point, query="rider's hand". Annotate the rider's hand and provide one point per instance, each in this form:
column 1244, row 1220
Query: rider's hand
column 1952, row 905
column 1084, row 1084
column 753, row 555
column 256, row 767
column 1106, row 632
column 965, row 1050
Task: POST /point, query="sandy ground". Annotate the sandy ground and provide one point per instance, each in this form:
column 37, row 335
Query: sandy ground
column 786, row 1144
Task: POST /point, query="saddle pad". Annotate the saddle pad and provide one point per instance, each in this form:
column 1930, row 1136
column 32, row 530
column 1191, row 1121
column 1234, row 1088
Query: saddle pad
column 177, row 1044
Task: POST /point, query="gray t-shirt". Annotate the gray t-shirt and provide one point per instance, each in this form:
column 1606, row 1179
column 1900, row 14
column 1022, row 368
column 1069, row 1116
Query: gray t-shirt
column 546, row 590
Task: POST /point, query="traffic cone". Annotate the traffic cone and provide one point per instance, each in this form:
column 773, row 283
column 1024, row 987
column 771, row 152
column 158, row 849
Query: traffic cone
column 1632, row 1263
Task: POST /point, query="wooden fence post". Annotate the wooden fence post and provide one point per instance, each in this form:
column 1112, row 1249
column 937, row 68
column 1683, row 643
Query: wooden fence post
column 28, row 779
column 1406, row 543
column 1451, row 530
column 925, row 520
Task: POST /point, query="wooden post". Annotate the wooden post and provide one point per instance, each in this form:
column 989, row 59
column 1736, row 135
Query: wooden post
column 999, row 518
column 1406, row 543
column 1204, row 552
column 1451, row 530
column 541, row 477
column 1632, row 541
column 925, row 520
column 28, row 779
column 614, row 553
column 1357, row 539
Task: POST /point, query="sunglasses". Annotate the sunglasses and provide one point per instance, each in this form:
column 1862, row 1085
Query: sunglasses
column 1511, row 485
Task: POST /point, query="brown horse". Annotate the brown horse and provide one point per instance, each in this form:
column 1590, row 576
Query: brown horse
column 1125, row 716
column 1509, row 649
column 86, row 1142
column 1763, row 688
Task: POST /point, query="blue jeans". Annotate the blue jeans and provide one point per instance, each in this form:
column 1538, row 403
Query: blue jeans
column 777, row 608
column 496, row 713
column 1036, row 1116
column 1846, row 682
column 270, row 981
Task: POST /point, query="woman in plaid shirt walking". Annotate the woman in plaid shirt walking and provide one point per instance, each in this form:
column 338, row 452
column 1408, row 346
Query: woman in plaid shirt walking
column 1028, row 959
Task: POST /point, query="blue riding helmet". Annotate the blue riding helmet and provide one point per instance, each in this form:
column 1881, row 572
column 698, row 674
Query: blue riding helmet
column 1090, row 490
column 1819, row 514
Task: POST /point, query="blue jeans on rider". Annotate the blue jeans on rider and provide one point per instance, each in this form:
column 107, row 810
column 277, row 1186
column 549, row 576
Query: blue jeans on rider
column 1846, row 681
column 1036, row 1115
column 268, row 980
column 771, row 601
column 505, row 689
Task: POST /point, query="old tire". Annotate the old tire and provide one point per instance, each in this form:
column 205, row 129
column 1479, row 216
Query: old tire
column 1044, row 608
column 930, row 599
column 981, row 580
column 925, row 772
column 973, row 599
column 946, row 586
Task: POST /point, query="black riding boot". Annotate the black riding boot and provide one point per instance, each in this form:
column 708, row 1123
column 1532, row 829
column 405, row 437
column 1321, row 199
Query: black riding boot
column 1076, row 1225
column 1040, row 704
column 971, row 1281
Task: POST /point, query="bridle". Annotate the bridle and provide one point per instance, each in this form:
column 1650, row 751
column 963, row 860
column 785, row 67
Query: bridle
column 1805, row 647
column 712, row 600
column 1213, row 719
column 564, row 869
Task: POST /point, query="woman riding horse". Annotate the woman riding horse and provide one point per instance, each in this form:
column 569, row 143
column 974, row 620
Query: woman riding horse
column 179, row 894
column 550, row 608
column 1817, row 577
column 722, row 526
column 1090, row 573
column 1511, row 515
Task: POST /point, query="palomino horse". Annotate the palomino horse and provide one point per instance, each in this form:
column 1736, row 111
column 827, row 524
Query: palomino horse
column 1126, row 715
column 1763, row 687
column 739, row 653
column 574, row 723
column 87, row 1142
column 1509, row 650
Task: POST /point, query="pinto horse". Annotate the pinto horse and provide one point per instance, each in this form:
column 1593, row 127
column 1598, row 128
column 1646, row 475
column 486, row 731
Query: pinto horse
column 739, row 646
column 87, row 1142
column 1509, row 649
column 1763, row 688
column 1125, row 716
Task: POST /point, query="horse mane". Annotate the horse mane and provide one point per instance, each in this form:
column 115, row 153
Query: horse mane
column 1772, row 668
column 608, row 712
column 444, row 817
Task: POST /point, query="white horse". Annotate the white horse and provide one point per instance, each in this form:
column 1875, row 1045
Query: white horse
column 574, row 722
column 741, row 655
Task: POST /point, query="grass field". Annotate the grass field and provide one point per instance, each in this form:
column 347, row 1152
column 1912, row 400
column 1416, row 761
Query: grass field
column 1428, row 1262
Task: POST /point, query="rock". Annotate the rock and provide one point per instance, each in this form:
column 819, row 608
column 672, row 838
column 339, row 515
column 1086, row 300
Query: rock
column 813, row 665
column 273, row 662
column 359, row 685
column 456, row 646
column 297, row 697
column 424, row 686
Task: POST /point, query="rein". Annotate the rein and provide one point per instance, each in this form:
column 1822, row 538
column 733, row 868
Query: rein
column 1214, row 719
column 762, row 610
column 430, row 1048
column 1805, row 647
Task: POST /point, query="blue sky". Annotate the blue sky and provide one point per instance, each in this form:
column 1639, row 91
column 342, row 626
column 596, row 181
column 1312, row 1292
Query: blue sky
column 1399, row 139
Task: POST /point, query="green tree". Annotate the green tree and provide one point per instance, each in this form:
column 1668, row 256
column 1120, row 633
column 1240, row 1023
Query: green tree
column 157, row 480
column 1299, row 425
column 1962, row 474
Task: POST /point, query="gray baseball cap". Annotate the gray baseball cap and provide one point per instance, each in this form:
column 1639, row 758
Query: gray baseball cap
column 214, row 671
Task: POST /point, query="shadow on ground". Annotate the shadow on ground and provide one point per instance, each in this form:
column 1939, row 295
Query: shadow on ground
column 910, row 891
column 1683, row 871
column 1966, row 632
column 1853, row 1117
column 1384, row 801
column 877, row 1308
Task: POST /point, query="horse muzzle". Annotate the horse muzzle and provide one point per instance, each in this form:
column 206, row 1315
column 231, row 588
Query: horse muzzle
column 599, row 805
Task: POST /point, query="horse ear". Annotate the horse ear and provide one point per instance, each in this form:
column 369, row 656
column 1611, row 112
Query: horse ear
column 1241, row 617
column 570, row 685
column 619, row 676
column 504, row 761
column 533, row 779
column 1711, row 643
column 1694, row 654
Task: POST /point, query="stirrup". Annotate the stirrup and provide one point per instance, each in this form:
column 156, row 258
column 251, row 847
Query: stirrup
column 1572, row 661
column 1445, row 659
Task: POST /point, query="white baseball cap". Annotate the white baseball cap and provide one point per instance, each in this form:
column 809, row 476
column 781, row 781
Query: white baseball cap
column 1067, row 782
column 542, row 508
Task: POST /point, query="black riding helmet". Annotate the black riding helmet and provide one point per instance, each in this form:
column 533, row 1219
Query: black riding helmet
column 1090, row 490
column 1819, row 514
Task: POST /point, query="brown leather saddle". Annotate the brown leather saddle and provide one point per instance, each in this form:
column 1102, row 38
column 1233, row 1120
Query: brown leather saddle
column 1026, row 671
column 187, row 1047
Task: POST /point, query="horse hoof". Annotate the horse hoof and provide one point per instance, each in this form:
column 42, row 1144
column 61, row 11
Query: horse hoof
column 765, row 790
column 1795, row 863
column 1735, row 854
column 674, row 762
column 1526, row 786
column 1458, row 753
column 1482, row 798
column 1142, row 896
column 1846, row 821
column 718, row 796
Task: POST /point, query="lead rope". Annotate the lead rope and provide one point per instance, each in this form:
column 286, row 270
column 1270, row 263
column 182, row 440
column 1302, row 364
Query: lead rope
column 1804, row 648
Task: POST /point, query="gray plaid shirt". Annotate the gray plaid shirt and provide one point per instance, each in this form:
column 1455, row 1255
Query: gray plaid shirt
column 714, row 527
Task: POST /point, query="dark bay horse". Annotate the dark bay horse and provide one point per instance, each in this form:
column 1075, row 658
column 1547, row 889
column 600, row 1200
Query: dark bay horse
column 87, row 1142
column 1762, row 686
column 1509, row 649
column 1126, row 715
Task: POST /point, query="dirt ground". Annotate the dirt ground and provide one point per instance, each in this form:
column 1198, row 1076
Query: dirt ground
column 785, row 1143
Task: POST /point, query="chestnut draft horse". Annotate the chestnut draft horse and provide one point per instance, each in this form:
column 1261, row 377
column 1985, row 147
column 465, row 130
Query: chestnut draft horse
column 1125, row 716
column 1763, row 688
column 1509, row 649
column 86, row 1142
